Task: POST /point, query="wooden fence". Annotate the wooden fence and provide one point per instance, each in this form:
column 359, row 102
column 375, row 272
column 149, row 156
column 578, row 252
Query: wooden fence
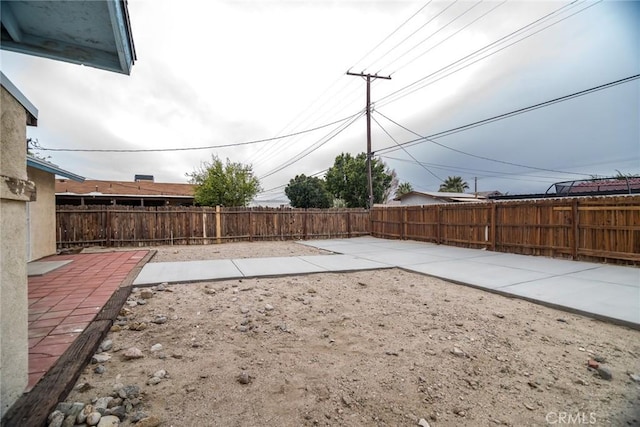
column 588, row 228
column 145, row 226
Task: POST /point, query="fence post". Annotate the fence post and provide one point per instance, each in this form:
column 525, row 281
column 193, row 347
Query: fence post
column 250, row 227
column 403, row 222
column 204, row 226
column 304, row 225
column 107, row 228
column 438, row 231
column 348, row 224
column 574, row 223
column 493, row 227
column 218, row 228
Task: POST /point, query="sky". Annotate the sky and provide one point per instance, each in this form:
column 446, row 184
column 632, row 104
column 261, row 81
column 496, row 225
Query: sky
column 212, row 73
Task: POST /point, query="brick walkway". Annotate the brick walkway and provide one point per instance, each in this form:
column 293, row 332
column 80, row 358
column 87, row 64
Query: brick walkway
column 63, row 302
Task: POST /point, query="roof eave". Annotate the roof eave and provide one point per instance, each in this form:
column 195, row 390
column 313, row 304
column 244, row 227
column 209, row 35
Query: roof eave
column 45, row 166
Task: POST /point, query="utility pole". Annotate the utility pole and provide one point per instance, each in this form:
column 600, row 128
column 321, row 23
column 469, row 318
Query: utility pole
column 370, row 78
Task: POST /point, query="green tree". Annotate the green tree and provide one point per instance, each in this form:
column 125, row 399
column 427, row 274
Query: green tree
column 453, row 184
column 308, row 192
column 347, row 180
column 403, row 189
column 225, row 184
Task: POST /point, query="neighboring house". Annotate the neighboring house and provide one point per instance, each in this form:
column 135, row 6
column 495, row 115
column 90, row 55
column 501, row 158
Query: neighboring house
column 90, row 32
column 41, row 213
column 418, row 198
column 603, row 186
column 143, row 192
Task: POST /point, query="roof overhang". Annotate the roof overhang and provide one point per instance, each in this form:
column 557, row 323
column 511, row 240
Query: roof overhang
column 96, row 33
column 32, row 111
column 49, row 167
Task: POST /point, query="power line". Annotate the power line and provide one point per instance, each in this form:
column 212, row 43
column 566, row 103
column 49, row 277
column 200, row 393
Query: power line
column 237, row 144
column 410, row 88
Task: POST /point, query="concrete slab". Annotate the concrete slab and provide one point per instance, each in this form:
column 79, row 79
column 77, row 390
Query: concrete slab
column 343, row 262
column 612, row 274
column 473, row 273
column 550, row 266
column 189, row 271
column 401, row 258
column 38, row 268
column 276, row 266
column 454, row 252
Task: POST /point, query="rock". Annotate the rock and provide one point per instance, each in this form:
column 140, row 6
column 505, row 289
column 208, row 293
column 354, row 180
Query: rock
column 116, row 401
column 146, row 293
column 635, row 378
column 162, row 287
column 56, row 418
column 82, row 415
column 132, row 303
column 580, row 381
column 599, row 359
column 118, row 411
column 129, row 392
column 244, row 310
column 115, row 328
column 109, row 421
column 156, row 347
column 100, row 369
column 137, row 416
column 82, row 387
column 499, row 315
column 268, row 307
column 160, row 374
column 101, row 404
column 423, row 423
column 93, row 418
column 100, row 358
column 457, row 352
column 244, row 378
column 133, row 353
column 243, row 328
column 153, row 381
column 151, row 421
column 605, row 373
column 69, row 421
column 106, row 345
column 592, row 364
column 160, row 319
column 141, row 301
column 137, row 326
column 64, row 407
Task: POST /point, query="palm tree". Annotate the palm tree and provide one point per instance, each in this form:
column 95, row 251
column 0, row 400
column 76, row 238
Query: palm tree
column 403, row 189
column 453, row 184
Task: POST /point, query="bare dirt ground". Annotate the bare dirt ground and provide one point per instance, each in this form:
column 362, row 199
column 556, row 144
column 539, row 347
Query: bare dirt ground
column 375, row 348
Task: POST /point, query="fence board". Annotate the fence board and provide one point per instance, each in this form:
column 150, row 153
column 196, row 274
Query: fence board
column 169, row 225
column 586, row 228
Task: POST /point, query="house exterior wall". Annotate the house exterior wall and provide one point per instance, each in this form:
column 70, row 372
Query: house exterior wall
column 418, row 199
column 13, row 264
column 42, row 215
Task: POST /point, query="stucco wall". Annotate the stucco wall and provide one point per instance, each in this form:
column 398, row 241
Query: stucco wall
column 13, row 247
column 416, row 200
column 42, row 215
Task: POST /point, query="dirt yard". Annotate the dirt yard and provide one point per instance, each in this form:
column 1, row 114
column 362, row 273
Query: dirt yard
column 375, row 348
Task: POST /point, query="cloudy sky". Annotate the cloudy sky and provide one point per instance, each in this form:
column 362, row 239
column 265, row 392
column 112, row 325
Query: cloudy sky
column 221, row 72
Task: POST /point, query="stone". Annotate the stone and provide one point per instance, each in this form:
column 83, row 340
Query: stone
column 243, row 328
column 101, row 404
column 116, row 401
column 592, row 364
column 93, row 418
column 499, row 315
column 137, row 416
column 137, row 326
column 159, row 320
column 423, row 423
column 129, row 392
column 84, row 386
column 244, row 310
column 82, row 415
column 146, row 293
column 160, row 374
column 268, row 307
column 133, row 353
column 132, row 303
column 100, row 369
column 162, row 287
column 599, row 358
column 115, row 328
column 109, row 421
column 100, row 358
column 64, row 407
column 153, row 381
column 69, row 421
column 635, row 378
column 56, row 418
column 106, row 345
column 457, row 352
column 151, row 421
column 118, row 411
column 244, row 378
column 605, row 373
column 156, row 347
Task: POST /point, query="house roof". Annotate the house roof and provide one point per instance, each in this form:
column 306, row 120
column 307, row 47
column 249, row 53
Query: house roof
column 123, row 188
column 96, row 33
column 441, row 195
column 32, row 111
column 46, row 166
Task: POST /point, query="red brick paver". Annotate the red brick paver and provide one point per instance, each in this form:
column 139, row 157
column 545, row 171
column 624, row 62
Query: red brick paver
column 63, row 302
